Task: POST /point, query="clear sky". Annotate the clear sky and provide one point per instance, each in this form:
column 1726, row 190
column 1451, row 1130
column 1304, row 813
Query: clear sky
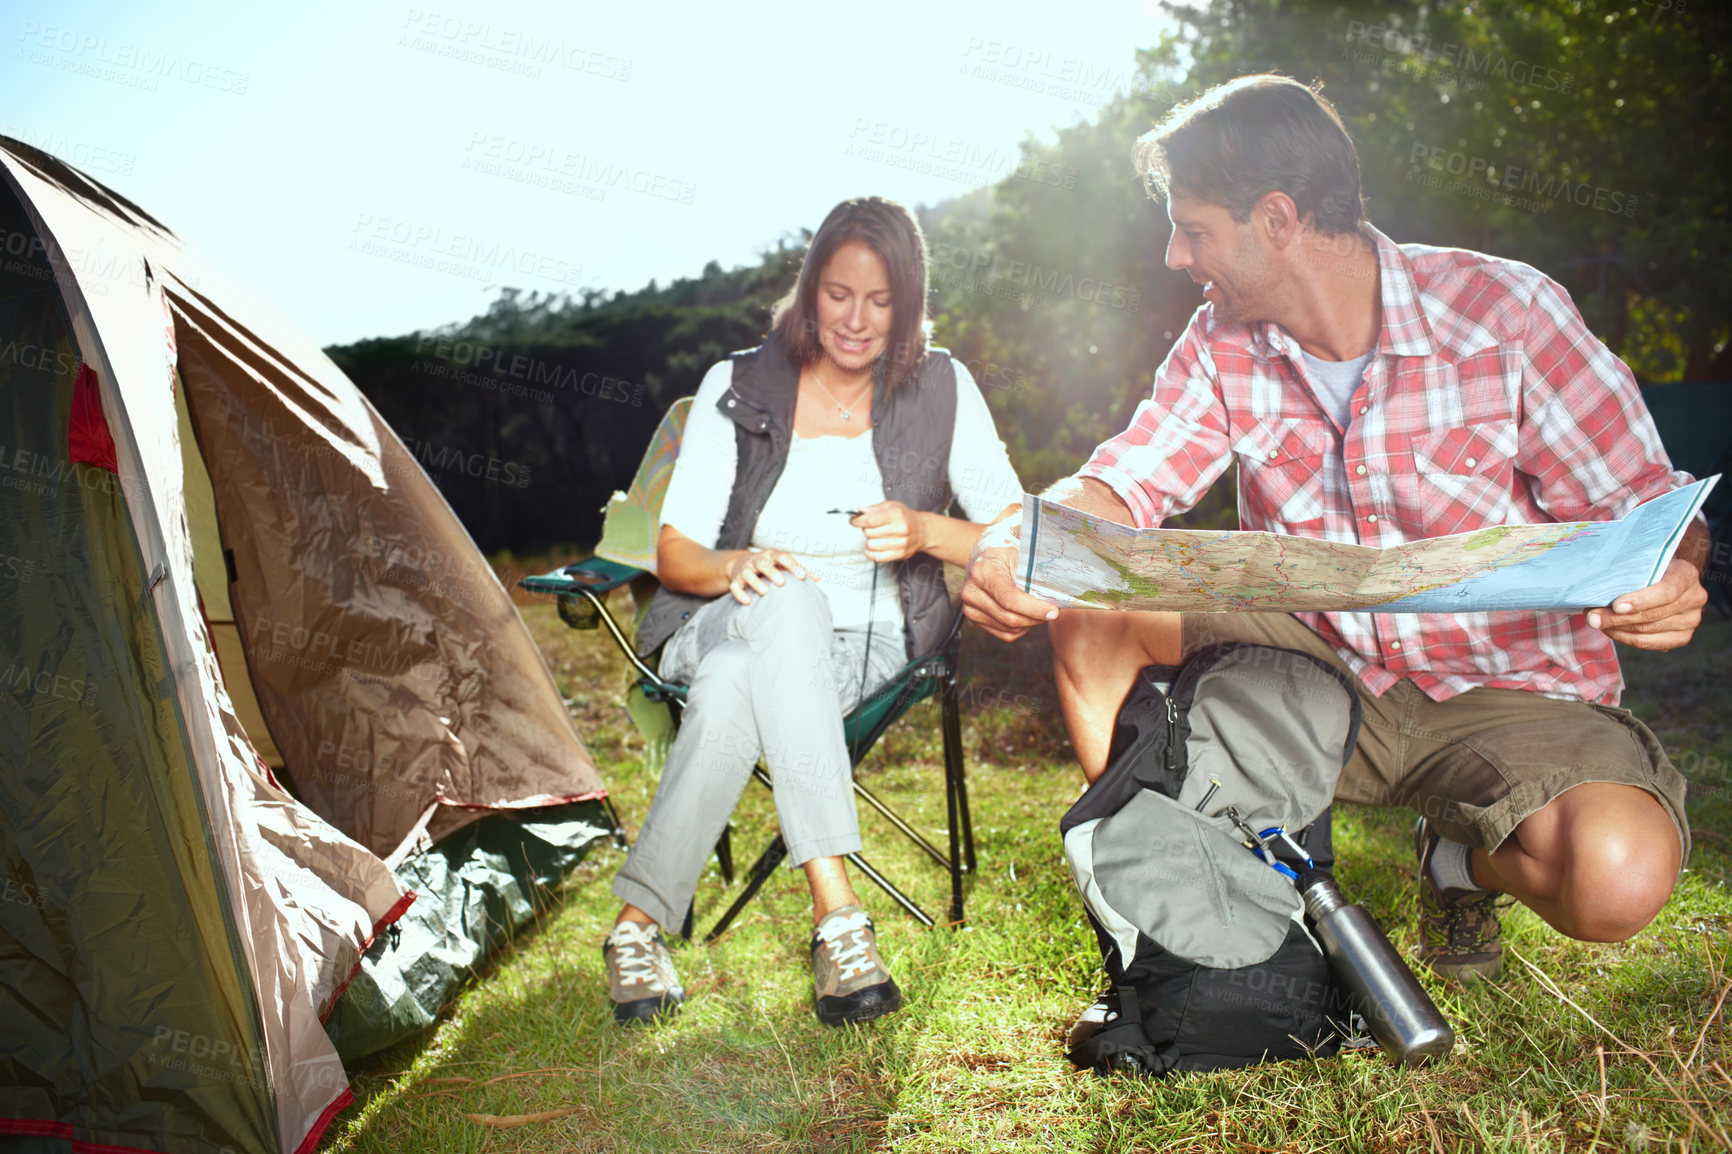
column 382, row 167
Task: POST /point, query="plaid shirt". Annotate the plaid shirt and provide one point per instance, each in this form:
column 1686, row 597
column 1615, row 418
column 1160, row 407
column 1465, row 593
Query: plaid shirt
column 1486, row 402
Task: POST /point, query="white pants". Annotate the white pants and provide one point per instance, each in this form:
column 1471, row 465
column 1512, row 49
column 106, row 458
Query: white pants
column 770, row 679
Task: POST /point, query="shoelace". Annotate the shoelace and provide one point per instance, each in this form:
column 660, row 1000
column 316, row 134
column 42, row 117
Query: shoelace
column 852, row 957
column 635, row 959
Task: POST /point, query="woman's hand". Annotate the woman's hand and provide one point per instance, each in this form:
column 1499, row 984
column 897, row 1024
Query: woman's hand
column 750, row 570
column 894, row 532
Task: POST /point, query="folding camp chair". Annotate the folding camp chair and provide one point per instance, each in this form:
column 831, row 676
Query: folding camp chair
column 626, row 555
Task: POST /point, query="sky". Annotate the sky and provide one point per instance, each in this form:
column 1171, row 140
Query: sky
column 379, row 168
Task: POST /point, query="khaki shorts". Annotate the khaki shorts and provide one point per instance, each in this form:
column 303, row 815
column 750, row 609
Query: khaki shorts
column 1476, row 765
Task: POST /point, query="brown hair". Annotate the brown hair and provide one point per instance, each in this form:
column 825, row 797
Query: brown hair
column 1249, row 137
column 889, row 230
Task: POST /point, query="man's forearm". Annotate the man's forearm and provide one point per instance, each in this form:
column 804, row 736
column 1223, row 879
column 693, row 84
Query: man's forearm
column 1091, row 496
column 1695, row 545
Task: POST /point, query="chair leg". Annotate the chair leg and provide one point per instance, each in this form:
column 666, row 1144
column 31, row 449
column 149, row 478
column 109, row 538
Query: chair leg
column 725, row 853
column 619, row 838
column 889, row 887
column 956, row 799
column 755, row 879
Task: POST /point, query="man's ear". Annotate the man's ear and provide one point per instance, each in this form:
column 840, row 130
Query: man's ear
column 1277, row 218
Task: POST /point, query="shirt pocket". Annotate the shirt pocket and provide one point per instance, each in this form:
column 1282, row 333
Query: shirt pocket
column 1281, row 474
column 1464, row 476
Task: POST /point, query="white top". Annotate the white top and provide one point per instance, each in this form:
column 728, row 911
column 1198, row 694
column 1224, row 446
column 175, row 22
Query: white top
column 824, row 473
column 1335, row 382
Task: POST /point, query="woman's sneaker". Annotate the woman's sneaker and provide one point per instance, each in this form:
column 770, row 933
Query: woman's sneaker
column 640, row 974
column 1459, row 934
column 850, row 983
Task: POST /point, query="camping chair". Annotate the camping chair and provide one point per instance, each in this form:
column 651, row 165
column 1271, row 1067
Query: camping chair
column 626, row 556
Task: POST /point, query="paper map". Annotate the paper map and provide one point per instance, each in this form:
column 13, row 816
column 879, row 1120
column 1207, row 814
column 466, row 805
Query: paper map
column 1074, row 559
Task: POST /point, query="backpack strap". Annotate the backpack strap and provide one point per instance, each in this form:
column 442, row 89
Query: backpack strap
column 1124, row 1047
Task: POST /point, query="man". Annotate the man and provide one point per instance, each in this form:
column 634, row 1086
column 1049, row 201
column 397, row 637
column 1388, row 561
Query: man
column 1378, row 393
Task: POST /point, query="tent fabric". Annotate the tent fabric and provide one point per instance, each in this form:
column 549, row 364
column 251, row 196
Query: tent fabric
column 88, row 439
column 474, row 890
column 382, row 648
column 188, row 924
column 276, row 901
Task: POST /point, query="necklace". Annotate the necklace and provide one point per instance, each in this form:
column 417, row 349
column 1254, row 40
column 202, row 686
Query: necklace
column 847, row 410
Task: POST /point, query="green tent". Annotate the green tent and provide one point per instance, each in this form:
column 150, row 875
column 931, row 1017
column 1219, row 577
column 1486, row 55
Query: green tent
column 218, row 565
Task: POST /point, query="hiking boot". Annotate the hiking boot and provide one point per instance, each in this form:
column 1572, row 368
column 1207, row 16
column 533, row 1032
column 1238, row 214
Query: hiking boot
column 640, row 975
column 1459, row 935
column 850, row 983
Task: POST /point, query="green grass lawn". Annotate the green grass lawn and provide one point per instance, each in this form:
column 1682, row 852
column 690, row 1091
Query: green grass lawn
column 1577, row 1047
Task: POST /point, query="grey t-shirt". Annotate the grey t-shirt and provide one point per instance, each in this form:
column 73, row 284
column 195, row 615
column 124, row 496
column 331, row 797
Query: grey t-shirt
column 1336, row 382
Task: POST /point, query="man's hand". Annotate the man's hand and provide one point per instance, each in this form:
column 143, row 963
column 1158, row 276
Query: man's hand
column 990, row 597
column 1662, row 616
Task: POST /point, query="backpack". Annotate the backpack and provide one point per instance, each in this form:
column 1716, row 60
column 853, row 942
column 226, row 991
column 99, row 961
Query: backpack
column 1211, row 963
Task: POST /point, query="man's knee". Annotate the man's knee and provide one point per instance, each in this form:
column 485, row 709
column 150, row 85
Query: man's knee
column 1620, row 870
column 1092, row 644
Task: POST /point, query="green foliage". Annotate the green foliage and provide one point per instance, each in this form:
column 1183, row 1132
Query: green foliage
column 1610, row 117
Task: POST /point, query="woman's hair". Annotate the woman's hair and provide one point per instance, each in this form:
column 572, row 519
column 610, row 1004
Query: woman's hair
column 1242, row 140
column 889, row 230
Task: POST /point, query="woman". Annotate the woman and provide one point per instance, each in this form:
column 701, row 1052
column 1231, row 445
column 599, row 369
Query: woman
column 800, row 556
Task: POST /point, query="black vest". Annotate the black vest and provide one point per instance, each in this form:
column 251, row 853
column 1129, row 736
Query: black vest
column 911, row 433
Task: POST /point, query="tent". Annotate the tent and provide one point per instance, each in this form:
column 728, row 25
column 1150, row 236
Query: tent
column 218, row 564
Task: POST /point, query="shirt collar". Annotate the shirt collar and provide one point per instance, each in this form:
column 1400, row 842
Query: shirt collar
column 1405, row 332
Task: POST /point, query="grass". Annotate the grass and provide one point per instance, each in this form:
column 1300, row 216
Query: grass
column 1578, row 1047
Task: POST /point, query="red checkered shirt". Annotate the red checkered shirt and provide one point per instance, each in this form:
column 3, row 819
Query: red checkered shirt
column 1487, row 402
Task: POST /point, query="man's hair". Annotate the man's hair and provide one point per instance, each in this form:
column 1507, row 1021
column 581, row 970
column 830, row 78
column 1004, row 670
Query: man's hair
column 889, row 230
column 1242, row 140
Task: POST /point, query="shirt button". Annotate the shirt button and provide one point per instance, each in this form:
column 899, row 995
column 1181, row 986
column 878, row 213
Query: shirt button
column 1363, row 409
column 1395, row 645
column 1372, row 518
column 1471, row 462
column 1273, row 454
column 1360, row 470
column 730, row 402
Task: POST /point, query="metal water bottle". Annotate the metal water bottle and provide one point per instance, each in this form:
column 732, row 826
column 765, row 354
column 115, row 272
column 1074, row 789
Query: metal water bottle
column 1401, row 1015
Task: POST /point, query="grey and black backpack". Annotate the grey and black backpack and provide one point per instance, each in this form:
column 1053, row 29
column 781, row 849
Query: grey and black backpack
column 1184, row 851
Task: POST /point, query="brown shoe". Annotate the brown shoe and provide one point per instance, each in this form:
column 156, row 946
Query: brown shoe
column 850, row 983
column 1459, row 934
